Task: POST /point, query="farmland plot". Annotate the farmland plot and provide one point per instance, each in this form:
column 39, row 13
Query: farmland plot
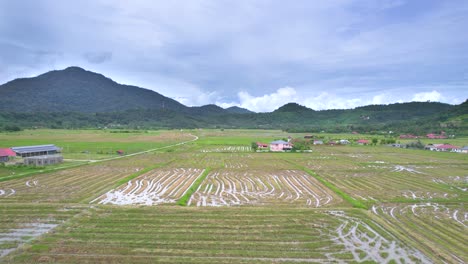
column 238, row 160
column 154, row 187
column 367, row 244
column 212, row 236
column 225, row 188
column 61, row 186
column 235, row 164
column 200, row 160
column 380, row 179
column 254, row 161
column 20, row 224
column 227, row 149
column 219, row 235
column 440, row 227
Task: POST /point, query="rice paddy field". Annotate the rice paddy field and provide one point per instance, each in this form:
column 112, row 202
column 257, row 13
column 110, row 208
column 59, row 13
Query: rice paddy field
column 203, row 196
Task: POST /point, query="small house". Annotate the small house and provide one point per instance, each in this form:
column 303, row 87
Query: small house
column 464, row 149
column 318, row 142
column 120, row 152
column 432, row 147
column 6, row 154
column 344, row 142
column 280, row 145
column 262, row 146
column 363, row 142
column 436, row 136
column 448, row 147
column 443, row 147
column 411, row 136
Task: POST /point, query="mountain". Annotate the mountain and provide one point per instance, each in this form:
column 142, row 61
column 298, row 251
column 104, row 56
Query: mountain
column 238, row 110
column 77, row 90
column 292, row 107
column 76, row 98
column 209, row 109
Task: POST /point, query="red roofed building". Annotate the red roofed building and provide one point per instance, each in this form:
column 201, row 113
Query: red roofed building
column 408, row 136
column 436, row 136
column 363, row 142
column 5, row 154
column 262, row 145
column 447, row 147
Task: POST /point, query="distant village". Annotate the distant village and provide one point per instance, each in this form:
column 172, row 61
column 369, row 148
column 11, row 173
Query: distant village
column 435, row 147
column 291, row 144
column 43, row 155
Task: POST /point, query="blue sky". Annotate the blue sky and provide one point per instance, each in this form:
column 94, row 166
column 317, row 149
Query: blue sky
column 254, row 54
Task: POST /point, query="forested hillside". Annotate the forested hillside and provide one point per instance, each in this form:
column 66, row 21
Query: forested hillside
column 76, row 98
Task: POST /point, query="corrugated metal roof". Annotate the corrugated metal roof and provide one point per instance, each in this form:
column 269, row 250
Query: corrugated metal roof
column 279, row 142
column 39, row 148
column 6, row 152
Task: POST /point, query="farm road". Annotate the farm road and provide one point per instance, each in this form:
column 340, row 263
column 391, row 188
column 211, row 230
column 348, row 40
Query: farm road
column 95, row 161
column 141, row 152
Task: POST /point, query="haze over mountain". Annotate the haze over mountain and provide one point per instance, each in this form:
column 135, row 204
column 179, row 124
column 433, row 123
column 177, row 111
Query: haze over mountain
column 74, row 97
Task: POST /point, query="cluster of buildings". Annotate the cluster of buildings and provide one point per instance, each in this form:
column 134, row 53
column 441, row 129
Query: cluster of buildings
column 40, row 155
column 442, row 135
column 277, row 145
column 282, row 145
column 446, row 148
column 332, row 142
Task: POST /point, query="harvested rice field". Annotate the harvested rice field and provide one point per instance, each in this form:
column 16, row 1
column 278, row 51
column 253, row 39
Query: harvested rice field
column 62, row 186
column 288, row 188
column 154, row 187
column 206, row 197
column 442, row 226
column 391, row 177
column 232, row 235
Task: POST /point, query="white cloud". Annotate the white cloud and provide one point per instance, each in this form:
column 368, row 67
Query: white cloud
column 433, row 96
column 267, row 102
column 379, row 99
column 188, row 51
column 327, row 100
column 199, row 98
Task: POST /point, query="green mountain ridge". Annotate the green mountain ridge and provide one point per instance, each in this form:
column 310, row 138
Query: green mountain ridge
column 76, row 98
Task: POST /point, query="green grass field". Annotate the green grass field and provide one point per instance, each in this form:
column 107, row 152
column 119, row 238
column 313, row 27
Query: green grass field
column 213, row 200
column 93, row 144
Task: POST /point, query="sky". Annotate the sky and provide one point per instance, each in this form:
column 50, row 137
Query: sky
column 256, row 54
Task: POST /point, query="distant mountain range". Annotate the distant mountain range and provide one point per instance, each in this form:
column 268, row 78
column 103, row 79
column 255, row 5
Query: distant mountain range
column 74, row 97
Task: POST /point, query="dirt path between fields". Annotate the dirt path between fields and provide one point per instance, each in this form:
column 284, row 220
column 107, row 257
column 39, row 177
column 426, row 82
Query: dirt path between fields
column 14, row 176
column 195, row 138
